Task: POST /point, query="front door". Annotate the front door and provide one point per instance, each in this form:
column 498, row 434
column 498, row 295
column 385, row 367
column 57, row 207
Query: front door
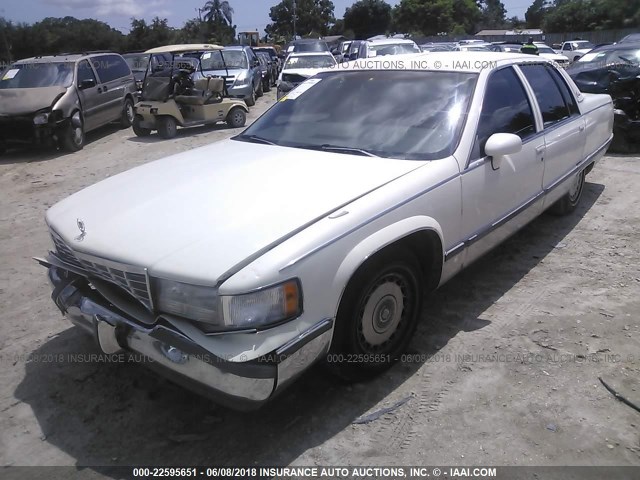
column 497, row 202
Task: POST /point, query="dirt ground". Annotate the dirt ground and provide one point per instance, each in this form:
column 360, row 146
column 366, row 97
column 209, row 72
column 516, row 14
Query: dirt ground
column 504, row 367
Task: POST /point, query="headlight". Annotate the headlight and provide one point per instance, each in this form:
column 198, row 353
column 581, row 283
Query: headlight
column 190, row 301
column 264, row 307
column 41, row 118
column 243, row 79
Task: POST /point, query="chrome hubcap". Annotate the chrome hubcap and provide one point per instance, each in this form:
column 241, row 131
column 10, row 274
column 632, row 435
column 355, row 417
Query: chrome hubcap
column 382, row 313
column 130, row 113
column 77, row 135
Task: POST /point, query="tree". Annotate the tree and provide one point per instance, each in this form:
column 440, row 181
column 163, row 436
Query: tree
column 493, row 14
column 432, row 17
column 219, row 22
column 312, row 16
column 536, row 13
column 368, row 18
column 143, row 36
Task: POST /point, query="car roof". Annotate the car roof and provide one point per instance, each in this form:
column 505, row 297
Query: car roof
column 618, row 46
column 311, row 54
column 63, row 58
column 390, row 41
column 469, row 61
column 185, row 47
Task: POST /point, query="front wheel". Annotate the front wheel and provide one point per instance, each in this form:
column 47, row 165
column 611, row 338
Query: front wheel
column 167, row 127
column 73, row 134
column 571, row 199
column 251, row 99
column 140, row 130
column 260, row 91
column 377, row 316
column 236, row 118
column 266, row 86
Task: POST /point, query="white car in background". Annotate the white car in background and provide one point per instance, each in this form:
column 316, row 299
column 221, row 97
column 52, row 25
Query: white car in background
column 546, row 51
column 387, row 46
column 575, row 49
column 300, row 66
column 315, row 233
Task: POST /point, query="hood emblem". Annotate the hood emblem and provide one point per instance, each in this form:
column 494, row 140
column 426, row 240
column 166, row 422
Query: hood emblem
column 82, row 229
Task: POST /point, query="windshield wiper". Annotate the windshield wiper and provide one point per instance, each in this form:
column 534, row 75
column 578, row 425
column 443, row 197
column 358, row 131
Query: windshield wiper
column 338, row 149
column 254, row 139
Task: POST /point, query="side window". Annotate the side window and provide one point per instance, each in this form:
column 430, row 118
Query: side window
column 569, row 99
column 505, row 109
column 110, row 67
column 85, row 72
column 550, row 99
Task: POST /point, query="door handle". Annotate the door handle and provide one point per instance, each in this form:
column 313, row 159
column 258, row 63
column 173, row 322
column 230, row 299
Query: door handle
column 99, row 89
column 540, row 149
column 105, row 88
column 581, row 128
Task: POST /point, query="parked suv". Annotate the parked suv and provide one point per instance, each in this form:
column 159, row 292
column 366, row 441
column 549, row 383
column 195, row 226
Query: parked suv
column 243, row 75
column 57, row 99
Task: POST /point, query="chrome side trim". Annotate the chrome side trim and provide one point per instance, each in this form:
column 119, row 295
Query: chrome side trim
column 305, row 337
column 459, row 248
column 367, row 222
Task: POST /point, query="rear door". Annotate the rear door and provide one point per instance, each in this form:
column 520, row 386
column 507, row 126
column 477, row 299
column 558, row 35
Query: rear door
column 90, row 100
column 115, row 81
column 564, row 128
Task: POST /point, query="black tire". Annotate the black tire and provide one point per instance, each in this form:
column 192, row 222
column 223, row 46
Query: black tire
column 571, row 199
column 251, row 99
column 3, row 148
column 73, row 138
column 128, row 113
column 167, row 127
column 236, row 118
column 266, row 86
column 138, row 130
column 377, row 316
column 260, row 91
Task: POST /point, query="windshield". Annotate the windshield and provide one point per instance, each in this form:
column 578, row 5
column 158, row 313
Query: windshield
column 626, row 55
column 545, row 49
column 394, row 49
column 137, row 63
column 416, row 115
column 37, row 75
column 309, row 47
column 234, row 59
column 310, row 61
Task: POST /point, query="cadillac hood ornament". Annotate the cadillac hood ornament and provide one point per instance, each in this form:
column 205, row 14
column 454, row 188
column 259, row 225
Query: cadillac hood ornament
column 82, row 229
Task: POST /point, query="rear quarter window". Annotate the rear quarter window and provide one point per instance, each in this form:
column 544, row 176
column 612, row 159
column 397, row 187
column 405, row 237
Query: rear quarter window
column 110, row 67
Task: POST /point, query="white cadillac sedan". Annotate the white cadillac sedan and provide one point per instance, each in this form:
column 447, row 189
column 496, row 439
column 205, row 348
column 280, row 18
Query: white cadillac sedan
column 314, row 234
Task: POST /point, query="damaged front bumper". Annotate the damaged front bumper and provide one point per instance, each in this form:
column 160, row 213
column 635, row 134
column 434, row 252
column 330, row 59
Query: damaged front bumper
column 239, row 385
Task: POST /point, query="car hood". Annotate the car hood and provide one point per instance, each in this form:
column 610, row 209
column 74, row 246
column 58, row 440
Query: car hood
column 198, row 215
column 21, row 101
column 303, row 72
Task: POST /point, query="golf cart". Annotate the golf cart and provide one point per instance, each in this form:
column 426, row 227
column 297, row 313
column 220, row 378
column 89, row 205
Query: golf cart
column 180, row 94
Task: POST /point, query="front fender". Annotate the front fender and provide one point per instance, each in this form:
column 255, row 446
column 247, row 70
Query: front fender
column 376, row 242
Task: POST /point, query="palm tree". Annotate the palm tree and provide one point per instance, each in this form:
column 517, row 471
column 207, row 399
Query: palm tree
column 218, row 12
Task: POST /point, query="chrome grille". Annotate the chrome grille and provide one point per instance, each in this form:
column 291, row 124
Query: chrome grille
column 131, row 279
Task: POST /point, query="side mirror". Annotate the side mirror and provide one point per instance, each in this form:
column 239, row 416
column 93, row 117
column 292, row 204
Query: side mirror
column 500, row 144
column 87, row 83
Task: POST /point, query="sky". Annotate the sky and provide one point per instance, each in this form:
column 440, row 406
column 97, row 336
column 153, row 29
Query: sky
column 249, row 14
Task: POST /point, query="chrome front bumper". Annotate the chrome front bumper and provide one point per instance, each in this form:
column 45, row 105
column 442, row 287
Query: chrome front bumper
column 239, row 385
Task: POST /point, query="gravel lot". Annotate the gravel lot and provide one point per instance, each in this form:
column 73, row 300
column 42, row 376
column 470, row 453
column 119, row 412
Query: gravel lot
column 505, row 370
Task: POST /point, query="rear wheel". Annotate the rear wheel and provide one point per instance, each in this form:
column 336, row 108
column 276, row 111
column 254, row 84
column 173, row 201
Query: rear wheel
column 139, row 130
column 128, row 114
column 266, row 85
column 571, row 199
column 73, row 134
column 236, row 117
column 167, row 127
column 377, row 316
